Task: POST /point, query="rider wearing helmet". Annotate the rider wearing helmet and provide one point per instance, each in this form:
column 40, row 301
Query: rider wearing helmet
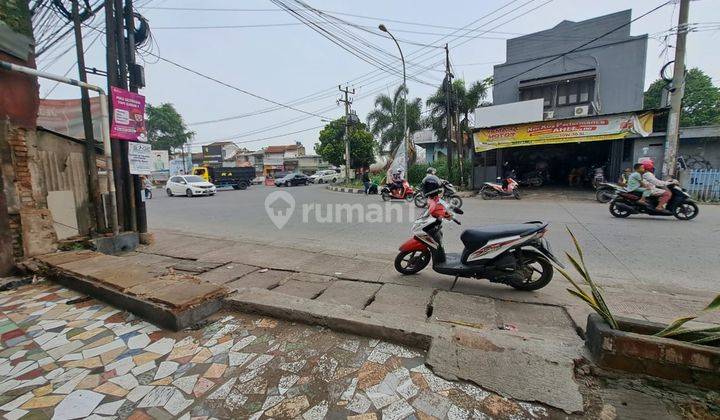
column 432, row 189
column 431, row 171
column 397, row 180
column 658, row 188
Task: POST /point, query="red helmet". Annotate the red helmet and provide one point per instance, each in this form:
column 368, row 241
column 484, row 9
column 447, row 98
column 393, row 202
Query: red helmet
column 649, row 165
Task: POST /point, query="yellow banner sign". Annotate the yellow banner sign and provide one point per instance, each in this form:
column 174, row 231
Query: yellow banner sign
column 610, row 127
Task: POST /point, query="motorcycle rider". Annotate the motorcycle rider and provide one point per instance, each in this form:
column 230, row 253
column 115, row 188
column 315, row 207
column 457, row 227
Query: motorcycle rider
column 657, row 187
column 432, row 189
column 635, row 183
column 397, row 180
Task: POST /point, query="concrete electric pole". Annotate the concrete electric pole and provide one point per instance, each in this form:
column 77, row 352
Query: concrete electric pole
column 347, row 101
column 448, row 109
column 677, row 92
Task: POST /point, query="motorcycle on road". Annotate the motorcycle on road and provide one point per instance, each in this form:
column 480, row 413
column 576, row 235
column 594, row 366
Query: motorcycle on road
column 493, row 190
column 512, row 254
column 406, row 193
column 680, row 205
column 449, row 195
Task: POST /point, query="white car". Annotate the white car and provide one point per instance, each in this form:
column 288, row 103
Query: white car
column 189, row 185
column 325, row 177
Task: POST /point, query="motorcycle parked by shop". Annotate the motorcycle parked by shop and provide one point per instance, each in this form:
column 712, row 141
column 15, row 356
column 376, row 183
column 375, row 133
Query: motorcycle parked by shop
column 680, row 205
column 534, row 178
column 512, row 254
column 493, row 190
column 605, row 192
column 598, row 176
column 405, row 193
column 449, row 195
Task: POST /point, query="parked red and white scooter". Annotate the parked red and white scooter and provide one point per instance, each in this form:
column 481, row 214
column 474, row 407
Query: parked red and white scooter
column 492, row 190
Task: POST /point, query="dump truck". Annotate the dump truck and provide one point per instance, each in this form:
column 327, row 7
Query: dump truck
column 238, row 178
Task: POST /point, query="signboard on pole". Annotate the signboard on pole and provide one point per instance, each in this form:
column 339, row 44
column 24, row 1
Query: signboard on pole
column 128, row 119
column 140, row 158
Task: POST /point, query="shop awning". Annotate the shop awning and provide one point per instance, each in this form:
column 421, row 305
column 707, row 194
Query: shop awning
column 574, row 130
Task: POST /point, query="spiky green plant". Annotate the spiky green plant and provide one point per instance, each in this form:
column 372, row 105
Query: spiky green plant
column 707, row 335
column 595, row 297
column 596, row 301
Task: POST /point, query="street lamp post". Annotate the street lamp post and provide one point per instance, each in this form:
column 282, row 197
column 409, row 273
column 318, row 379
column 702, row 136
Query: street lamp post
column 402, row 58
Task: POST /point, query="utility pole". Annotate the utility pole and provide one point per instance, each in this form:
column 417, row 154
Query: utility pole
column 448, row 109
column 96, row 210
column 678, row 86
column 111, row 54
column 138, row 188
column 347, row 101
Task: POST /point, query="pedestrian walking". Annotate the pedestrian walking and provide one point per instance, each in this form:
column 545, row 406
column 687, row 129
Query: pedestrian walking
column 366, row 180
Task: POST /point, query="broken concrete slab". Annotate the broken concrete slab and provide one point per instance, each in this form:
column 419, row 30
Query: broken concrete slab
column 197, row 266
column 460, row 309
column 511, row 365
column 313, row 278
column 303, row 289
column 351, row 293
column 404, row 300
column 342, row 318
column 111, row 245
column 173, row 302
column 227, row 273
column 263, row 279
column 59, row 258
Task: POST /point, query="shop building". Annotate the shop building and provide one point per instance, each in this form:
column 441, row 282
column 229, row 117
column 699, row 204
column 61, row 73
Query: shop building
column 577, row 112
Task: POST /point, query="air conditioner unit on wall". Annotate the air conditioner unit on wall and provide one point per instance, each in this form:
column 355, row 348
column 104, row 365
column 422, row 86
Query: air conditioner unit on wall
column 582, row 111
column 547, row 115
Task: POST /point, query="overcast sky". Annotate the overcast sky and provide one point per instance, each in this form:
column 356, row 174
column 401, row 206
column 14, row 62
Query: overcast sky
column 288, row 62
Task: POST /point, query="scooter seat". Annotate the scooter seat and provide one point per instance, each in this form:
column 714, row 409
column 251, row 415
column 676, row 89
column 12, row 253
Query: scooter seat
column 477, row 237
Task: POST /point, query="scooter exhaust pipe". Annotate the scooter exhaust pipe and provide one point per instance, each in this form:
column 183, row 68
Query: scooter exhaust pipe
column 623, row 206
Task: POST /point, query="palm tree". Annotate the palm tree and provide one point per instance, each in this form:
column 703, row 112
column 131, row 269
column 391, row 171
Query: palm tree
column 462, row 101
column 386, row 120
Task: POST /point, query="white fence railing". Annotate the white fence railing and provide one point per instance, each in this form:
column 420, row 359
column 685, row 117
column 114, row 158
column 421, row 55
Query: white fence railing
column 703, row 185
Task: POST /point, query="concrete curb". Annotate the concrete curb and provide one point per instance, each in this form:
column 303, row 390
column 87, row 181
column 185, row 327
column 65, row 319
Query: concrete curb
column 341, row 318
column 154, row 299
column 345, row 189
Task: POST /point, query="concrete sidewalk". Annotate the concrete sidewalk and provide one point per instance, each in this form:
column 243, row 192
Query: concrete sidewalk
column 475, row 331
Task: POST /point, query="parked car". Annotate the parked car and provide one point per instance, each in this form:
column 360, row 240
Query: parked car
column 326, row 176
column 258, row 180
column 189, row 185
column 292, row 180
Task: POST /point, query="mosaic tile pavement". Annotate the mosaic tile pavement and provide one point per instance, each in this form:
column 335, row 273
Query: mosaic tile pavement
column 65, row 356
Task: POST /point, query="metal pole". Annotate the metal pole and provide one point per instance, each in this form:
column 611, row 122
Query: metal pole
column 448, row 118
column 140, row 211
column 405, row 92
column 112, row 80
column 4, row 65
column 678, row 84
column 95, row 209
column 347, row 101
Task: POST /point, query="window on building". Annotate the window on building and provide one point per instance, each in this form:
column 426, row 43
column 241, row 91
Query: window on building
column 576, row 92
column 563, row 93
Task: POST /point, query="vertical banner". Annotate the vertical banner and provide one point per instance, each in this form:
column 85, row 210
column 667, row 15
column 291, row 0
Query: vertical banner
column 140, row 158
column 128, row 119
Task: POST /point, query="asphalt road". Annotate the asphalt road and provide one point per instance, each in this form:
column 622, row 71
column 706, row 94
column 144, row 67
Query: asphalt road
column 657, row 254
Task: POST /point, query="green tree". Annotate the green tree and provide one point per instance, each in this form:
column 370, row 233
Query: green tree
column 331, row 146
column 386, row 120
column 165, row 127
column 462, row 100
column 701, row 101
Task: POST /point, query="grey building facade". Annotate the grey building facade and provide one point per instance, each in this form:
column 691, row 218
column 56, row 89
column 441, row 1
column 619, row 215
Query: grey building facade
column 605, row 77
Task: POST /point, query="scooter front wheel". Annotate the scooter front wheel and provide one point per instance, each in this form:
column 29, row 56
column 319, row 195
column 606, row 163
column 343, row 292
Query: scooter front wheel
column 385, row 196
column 420, row 201
column 456, row 202
column 411, row 262
column 535, row 269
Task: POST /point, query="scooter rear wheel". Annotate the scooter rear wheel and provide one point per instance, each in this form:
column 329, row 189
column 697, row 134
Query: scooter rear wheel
column 456, row 202
column 411, row 262
column 538, row 272
column 488, row 193
column 617, row 211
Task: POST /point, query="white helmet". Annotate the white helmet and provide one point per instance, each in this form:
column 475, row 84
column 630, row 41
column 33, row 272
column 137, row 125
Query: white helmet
column 399, row 171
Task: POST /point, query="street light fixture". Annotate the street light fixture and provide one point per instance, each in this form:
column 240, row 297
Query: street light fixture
column 402, row 58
